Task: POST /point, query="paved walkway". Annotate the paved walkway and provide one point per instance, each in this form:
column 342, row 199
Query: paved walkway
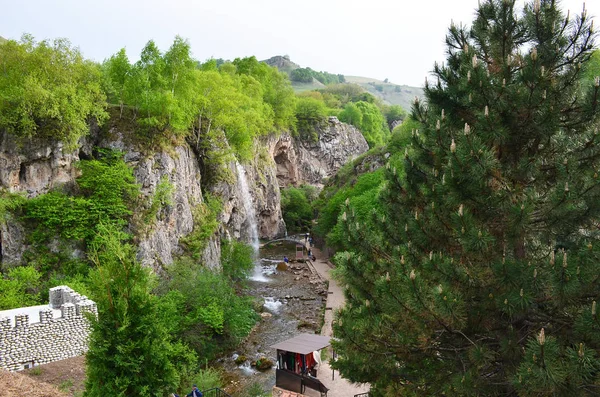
column 338, row 387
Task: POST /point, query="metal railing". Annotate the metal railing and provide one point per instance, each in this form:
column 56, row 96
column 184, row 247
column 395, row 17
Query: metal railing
column 215, row 392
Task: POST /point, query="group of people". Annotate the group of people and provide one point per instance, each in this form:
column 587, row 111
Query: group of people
column 308, row 239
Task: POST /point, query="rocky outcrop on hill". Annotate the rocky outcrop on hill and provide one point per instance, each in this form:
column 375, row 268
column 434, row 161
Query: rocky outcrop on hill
column 301, row 162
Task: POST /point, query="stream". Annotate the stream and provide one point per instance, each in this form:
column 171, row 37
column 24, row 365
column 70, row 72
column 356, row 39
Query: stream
column 293, row 303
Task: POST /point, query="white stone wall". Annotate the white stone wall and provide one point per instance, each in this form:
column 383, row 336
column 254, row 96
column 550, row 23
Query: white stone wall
column 51, row 339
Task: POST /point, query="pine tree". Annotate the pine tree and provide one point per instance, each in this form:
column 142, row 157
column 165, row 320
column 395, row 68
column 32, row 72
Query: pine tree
column 131, row 352
column 481, row 275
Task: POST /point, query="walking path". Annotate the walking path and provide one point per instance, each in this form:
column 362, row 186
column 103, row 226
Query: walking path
column 338, row 386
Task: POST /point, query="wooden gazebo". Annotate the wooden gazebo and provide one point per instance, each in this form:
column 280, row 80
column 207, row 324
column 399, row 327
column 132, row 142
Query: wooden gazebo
column 296, row 362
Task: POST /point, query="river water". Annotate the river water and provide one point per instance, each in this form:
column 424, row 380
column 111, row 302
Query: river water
column 293, row 302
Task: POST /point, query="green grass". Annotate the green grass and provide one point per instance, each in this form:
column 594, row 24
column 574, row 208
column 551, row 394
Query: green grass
column 390, row 93
column 301, row 87
column 65, row 385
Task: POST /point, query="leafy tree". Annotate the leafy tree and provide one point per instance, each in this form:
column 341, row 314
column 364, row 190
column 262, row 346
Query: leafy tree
column 276, row 88
column 19, row 288
column 107, row 192
column 393, row 113
column 296, row 208
column 480, row 274
column 211, row 315
column 352, row 115
column 237, row 260
column 310, row 114
column 48, row 90
column 131, row 352
column 362, row 194
column 301, row 75
column 368, row 119
column 118, row 69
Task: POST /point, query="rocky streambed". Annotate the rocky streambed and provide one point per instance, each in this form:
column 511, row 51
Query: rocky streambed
column 293, row 302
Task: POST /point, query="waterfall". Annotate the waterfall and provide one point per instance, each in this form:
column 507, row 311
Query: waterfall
column 248, row 206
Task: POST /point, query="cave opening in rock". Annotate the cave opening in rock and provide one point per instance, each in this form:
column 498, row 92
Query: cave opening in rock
column 23, row 173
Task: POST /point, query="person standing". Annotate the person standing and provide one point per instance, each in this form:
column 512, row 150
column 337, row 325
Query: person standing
column 195, row 392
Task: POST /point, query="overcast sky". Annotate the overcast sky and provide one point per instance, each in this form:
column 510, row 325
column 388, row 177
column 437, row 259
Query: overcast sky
column 399, row 40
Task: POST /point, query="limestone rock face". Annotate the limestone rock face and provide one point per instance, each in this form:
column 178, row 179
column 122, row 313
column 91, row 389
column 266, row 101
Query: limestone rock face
column 12, row 242
column 34, row 167
column 265, row 199
column 37, row 167
column 299, row 162
column 176, row 220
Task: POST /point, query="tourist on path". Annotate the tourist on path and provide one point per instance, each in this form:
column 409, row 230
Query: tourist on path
column 195, row 392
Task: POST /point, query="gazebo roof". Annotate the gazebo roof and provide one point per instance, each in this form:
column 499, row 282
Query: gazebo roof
column 303, row 343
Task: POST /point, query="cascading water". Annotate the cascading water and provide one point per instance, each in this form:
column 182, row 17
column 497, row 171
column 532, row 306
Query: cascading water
column 250, row 221
column 248, row 206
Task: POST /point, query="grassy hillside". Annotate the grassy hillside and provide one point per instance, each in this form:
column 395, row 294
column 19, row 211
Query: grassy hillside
column 2, row 40
column 391, row 94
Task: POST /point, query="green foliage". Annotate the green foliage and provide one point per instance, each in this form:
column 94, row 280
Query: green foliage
column 228, row 105
column 205, row 225
column 351, row 115
column 118, row 71
column 19, row 288
column 256, row 390
column 48, row 90
column 345, row 92
column 9, row 203
column 276, row 89
column 212, row 315
column 131, row 351
column 173, row 97
column 477, row 274
column 237, row 259
column 107, row 189
column 393, row 113
column 306, row 75
column 296, row 208
column 591, row 69
column 311, row 113
column 301, row 75
column 368, row 119
column 362, row 193
column 207, row 378
column 163, row 196
column 402, row 134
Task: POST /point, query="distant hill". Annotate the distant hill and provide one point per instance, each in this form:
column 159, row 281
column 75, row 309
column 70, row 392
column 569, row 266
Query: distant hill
column 390, row 93
column 2, row 40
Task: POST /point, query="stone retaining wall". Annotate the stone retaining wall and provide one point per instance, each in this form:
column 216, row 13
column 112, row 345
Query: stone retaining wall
column 51, row 339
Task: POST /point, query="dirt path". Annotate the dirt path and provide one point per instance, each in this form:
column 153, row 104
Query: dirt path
column 338, row 386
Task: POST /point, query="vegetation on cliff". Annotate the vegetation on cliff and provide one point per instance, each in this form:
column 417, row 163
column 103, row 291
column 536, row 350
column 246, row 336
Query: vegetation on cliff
column 477, row 275
column 48, row 89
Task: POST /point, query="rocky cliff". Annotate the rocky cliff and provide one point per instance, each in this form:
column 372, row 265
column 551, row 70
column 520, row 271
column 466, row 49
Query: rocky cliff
column 301, row 162
column 37, row 167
